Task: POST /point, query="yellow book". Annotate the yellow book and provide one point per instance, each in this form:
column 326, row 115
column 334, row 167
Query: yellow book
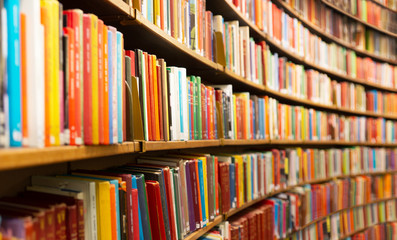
column 305, row 173
column 240, row 183
column 104, row 223
column 94, row 72
column 153, row 61
column 50, row 22
column 156, row 13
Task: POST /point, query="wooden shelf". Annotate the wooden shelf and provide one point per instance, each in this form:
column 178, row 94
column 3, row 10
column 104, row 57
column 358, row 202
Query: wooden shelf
column 202, row 231
column 171, row 145
column 363, row 229
column 359, row 20
column 330, row 37
column 338, row 211
column 14, row 158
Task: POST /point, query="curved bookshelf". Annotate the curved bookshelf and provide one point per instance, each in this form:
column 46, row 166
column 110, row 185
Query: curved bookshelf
column 329, row 36
column 338, row 211
column 359, row 20
column 384, row 6
column 363, row 229
column 230, row 12
column 234, row 211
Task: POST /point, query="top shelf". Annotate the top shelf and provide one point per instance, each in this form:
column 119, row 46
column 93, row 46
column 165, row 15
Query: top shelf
column 359, row 20
column 384, row 6
column 330, row 37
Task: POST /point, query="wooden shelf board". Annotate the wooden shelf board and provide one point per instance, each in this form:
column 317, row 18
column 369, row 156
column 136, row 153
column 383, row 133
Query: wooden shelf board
column 162, row 145
column 103, row 9
column 14, row 158
column 363, row 229
column 320, row 32
column 202, row 231
column 359, row 20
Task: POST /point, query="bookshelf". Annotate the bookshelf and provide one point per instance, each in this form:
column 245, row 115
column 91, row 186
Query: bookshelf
column 132, row 23
column 359, row 20
column 329, row 36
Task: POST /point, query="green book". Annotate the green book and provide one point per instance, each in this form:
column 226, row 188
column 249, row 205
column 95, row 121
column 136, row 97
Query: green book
column 199, row 117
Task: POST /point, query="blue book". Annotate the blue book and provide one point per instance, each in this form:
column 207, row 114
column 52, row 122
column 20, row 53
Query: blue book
column 232, row 174
column 310, row 125
column 14, row 72
column 120, row 94
column 202, row 194
column 110, row 86
column 135, row 186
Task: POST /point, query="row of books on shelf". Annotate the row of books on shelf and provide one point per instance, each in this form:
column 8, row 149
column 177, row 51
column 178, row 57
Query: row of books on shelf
column 170, row 196
column 92, row 95
column 294, row 36
column 198, row 24
column 383, row 231
column 255, row 61
column 392, row 4
column 275, row 218
column 370, row 12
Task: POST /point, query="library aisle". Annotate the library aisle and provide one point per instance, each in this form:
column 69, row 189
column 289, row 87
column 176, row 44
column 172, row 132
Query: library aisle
column 198, row 119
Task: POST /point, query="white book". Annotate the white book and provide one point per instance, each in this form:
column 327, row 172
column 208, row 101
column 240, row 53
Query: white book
column 113, row 131
column 184, row 104
column 88, row 189
column 34, row 73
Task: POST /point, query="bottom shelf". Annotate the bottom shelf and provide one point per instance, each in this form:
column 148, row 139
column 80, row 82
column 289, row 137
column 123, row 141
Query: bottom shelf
column 202, row 231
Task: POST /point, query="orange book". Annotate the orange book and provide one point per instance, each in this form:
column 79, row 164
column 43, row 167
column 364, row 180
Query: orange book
column 149, row 96
column 47, row 72
column 155, row 98
column 24, row 83
column 106, row 85
column 259, row 14
column 113, row 211
column 101, row 84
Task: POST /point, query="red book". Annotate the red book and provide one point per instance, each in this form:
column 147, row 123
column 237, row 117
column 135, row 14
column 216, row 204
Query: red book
column 151, row 97
column 135, row 214
column 87, row 79
column 68, row 31
column 73, row 21
column 155, row 210
column 101, row 84
column 225, row 186
column 203, row 113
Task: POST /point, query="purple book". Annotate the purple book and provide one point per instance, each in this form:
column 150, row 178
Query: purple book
column 192, row 223
column 14, row 226
column 193, row 179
